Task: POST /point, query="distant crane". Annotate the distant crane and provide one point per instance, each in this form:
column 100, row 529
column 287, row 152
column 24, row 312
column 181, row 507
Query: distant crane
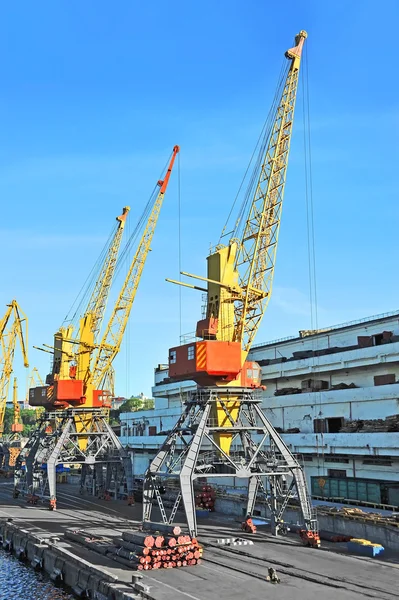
column 79, row 390
column 82, row 365
column 13, row 326
column 226, row 408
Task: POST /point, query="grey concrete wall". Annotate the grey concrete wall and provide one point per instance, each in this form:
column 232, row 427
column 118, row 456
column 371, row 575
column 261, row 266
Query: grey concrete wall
column 385, row 535
column 77, row 574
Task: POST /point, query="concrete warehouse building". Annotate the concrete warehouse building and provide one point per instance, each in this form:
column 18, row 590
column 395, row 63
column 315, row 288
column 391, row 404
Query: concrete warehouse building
column 332, row 394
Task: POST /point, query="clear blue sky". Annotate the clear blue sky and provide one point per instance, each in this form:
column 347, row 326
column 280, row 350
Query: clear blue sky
column 94, row 96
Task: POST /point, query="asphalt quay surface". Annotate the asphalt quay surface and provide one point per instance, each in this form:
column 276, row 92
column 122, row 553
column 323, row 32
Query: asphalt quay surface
column 225, row 573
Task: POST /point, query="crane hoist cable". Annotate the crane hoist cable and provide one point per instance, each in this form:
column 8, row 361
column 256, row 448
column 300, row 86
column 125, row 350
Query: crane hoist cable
column 85, row 291
column 309, row 194
column 262, row 148
column 143, row 219
column 258, row 151
column 89, row 293
column 113, row 335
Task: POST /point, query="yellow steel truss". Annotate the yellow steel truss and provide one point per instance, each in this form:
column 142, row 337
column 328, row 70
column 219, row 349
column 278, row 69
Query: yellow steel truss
column 256, row 254
column 112, row 338
column 13, row 326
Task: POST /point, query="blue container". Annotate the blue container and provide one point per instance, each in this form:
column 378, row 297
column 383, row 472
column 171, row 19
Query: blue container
column 370, row 551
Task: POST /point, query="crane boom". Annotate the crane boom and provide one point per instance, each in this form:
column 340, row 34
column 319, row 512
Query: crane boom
column 256, row 254
column 112, row 338
column 98, row 300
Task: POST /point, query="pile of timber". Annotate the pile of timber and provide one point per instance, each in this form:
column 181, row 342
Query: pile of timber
column 313, row 385
column 163, row 547
column 343, row 386
column 287, row 391
column 360, row 515
column 372, row 425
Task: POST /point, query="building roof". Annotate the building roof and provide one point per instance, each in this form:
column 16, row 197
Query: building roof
column 305, row 334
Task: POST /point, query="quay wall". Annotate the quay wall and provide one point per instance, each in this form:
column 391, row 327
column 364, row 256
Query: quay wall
column 85, row 579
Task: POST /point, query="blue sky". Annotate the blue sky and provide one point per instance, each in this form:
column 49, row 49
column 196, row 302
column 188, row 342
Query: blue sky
column 94, row 97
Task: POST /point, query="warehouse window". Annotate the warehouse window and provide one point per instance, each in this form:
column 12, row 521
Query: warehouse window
column 330, row 425
column 377, row 339
column 384, row 462
column 172, row 357
column 336, row 459
column 190, row 353
column 334, row 424
column 338, row 473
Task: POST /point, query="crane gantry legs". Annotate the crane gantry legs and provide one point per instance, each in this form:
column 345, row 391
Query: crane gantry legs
column 193, row 450
column 105, row 465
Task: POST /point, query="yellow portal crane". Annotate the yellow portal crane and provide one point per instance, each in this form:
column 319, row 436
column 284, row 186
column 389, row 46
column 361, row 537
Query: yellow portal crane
column 81, row 377
column 226, row 408
column 13, row 325
column 83, row 365
column 71, row 349
column 240, row 275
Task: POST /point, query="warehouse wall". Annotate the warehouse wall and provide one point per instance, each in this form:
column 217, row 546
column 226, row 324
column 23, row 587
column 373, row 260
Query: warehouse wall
column 340, row 337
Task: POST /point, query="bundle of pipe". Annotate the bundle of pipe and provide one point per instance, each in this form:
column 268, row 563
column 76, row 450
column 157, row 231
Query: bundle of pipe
column 205, row 498
column 144, row 551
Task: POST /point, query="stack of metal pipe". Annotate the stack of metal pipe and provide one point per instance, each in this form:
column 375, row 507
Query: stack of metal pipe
column 205, row 498
column 164, row 547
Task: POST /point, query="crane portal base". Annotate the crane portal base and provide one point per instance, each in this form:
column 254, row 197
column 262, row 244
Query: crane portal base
column 71, row 437
column 257, row 454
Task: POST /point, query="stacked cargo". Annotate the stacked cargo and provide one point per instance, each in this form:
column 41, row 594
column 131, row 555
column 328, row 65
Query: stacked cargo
column 166, row 549
column 205, row 498
column 372, row 425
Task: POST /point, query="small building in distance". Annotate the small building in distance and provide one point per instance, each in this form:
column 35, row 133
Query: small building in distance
column 333, row 394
